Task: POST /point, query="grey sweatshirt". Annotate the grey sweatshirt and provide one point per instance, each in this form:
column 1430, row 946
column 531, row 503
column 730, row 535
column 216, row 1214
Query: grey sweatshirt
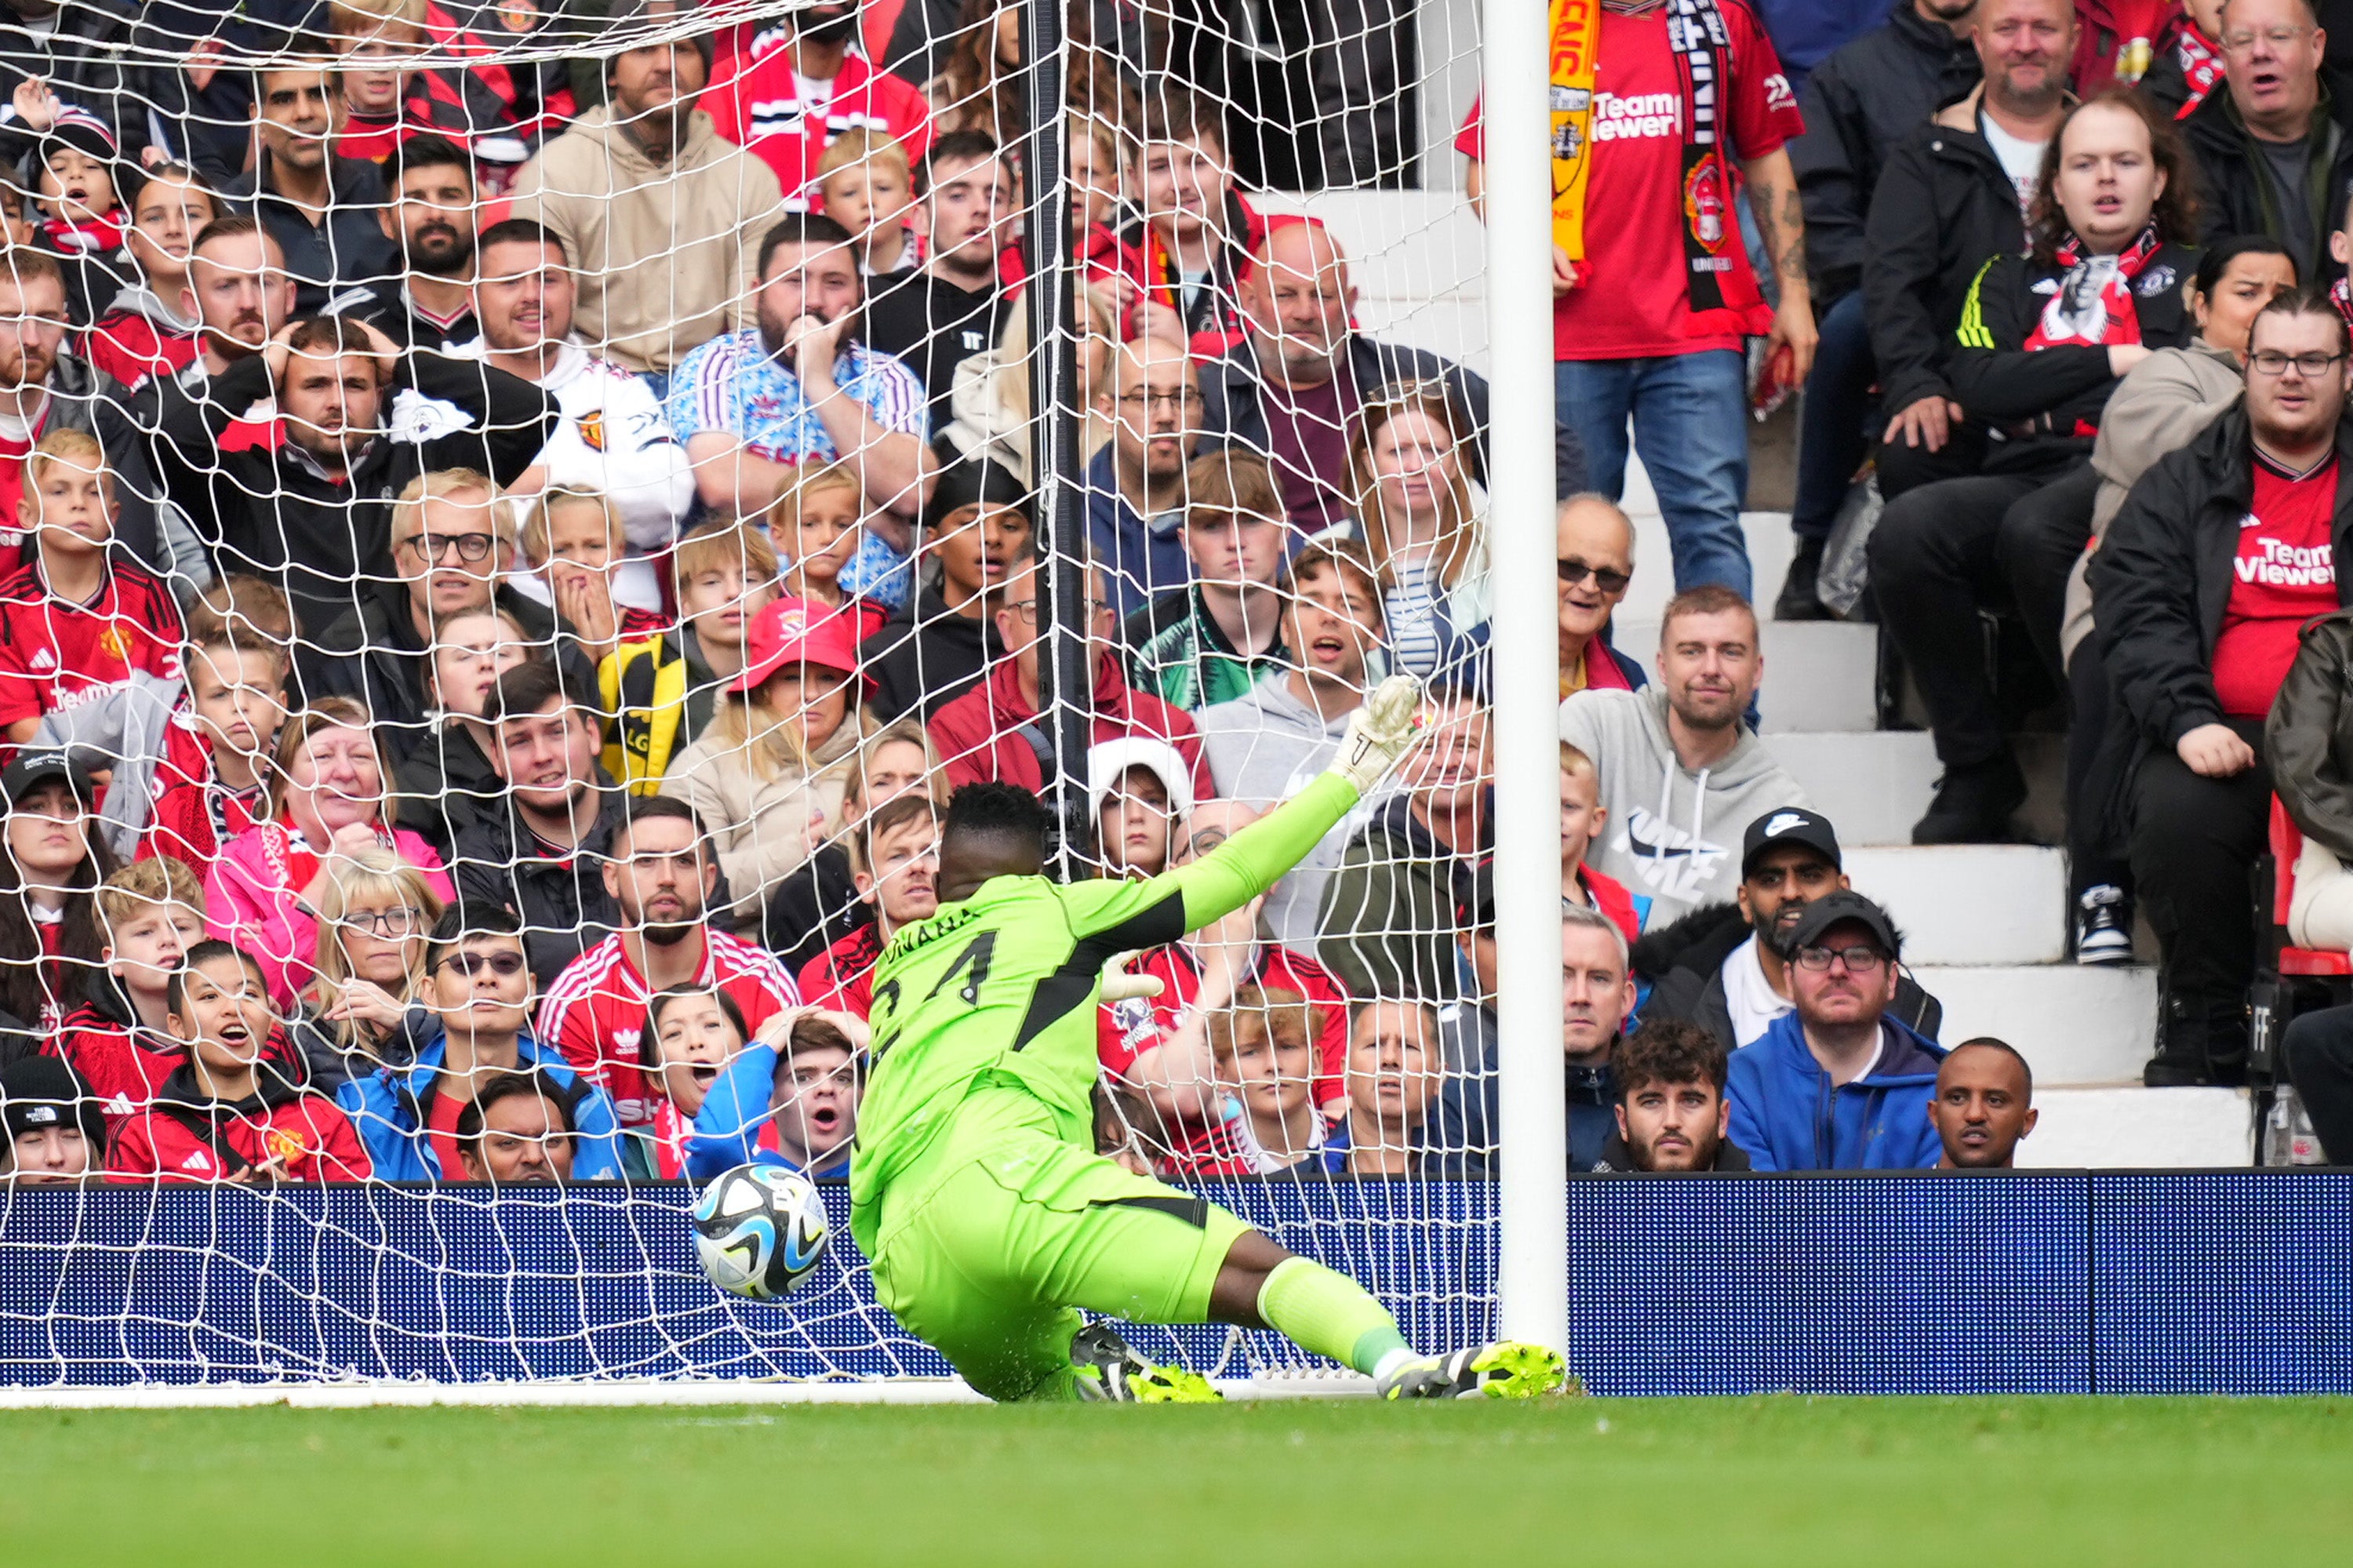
column 1673, row 834
column 1263, row 748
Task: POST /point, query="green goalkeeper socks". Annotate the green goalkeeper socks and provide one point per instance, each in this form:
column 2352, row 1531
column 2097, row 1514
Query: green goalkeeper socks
column 1329, row 1314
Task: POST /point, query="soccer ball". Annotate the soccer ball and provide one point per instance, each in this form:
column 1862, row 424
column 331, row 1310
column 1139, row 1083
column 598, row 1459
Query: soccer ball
column 759, row 1231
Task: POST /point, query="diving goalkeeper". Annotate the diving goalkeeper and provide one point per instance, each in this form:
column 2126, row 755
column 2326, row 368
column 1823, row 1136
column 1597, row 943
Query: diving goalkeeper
column 975, row 1189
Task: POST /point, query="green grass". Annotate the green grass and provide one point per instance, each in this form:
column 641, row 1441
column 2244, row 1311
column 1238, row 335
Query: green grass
column 1916, row 1482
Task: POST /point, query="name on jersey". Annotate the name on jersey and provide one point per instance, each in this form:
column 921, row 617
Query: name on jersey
column 1647, row 114
column 2279, row 565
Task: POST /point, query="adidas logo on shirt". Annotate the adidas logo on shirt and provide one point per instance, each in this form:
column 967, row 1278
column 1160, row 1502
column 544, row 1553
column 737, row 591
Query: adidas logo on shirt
column 198, row 1162
column 44, row 660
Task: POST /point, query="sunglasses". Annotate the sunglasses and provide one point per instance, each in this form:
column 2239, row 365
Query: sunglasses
column 503, row 964
column 1574, row 571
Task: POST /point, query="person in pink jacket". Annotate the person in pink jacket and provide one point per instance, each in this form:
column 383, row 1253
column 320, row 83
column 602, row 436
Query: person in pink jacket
column 326, row 796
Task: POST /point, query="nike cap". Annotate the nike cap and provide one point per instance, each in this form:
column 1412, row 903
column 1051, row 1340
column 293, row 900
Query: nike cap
column 1789, row 825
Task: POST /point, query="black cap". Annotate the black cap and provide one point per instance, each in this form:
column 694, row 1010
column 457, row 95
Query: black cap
column 40, row 1092
column 1789, row 825
column 32, row 767
column 1834, row 908
column 975, row 481
column 1474, row 892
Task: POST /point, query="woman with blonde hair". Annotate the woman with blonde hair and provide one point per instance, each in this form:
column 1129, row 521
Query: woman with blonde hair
column 817, row 903
column 1410, row 488
column 374, row 916
column 989, row 401
column 764, row 775
column 326, row 800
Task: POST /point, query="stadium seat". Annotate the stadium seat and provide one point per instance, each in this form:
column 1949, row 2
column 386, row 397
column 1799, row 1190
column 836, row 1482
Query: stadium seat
column 2292, row 979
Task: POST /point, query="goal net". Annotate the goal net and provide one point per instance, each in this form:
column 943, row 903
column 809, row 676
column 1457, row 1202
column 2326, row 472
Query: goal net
column 523, row 514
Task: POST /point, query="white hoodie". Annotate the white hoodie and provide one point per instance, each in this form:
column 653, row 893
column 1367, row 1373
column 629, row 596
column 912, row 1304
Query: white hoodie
column 1672, row 833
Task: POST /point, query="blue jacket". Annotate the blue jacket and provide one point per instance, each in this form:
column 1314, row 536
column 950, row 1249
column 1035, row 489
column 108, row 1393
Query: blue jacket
column 727, row 1128
column 387, row 1109
column 1141, row 562
column 1787, row 1117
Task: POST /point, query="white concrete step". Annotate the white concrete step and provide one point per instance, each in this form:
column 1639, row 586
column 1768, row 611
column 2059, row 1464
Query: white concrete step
column 1874, row 786
column 1818, row 673
column 2076, row 1027
column 1654, row 561
column 2136, row 1129
column 1977, row 905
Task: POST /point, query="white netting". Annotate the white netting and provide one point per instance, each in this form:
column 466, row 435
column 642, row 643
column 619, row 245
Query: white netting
column 507, row 420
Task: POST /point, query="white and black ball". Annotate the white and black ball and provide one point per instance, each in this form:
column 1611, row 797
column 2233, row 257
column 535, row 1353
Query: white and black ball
column 760, row 1231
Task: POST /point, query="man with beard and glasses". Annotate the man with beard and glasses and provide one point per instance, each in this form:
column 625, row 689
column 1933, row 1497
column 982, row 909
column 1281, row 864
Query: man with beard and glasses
column 662, row 879
column 787, row 86
column 1721, row 967
column 431, row 218
column 540, row 850
column 802, row 387
column 299, row 490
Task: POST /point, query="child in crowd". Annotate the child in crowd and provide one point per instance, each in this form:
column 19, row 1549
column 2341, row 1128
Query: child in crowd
column 15, row 219
column 691, row 1033
column 378, row 42
column 216, row 756
column 227, row 1113
column 71, row 170
column 1194, row 233
column 789, row 1098
column 148, row 328
column 816, row 523
column 1265, row 1049
column 74, row 624
column 52, row 859
column 1582, row 817
column 51, row 1134
column 578, row 560
column 149, row 915
column 1112, row 265
column 661, row 690
column 1392, row 1077
column 895, row 859
column 865, row 185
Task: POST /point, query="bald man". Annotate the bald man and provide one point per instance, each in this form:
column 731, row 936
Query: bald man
column 1135, row 485
column 1596, row 556
column 1292, row 387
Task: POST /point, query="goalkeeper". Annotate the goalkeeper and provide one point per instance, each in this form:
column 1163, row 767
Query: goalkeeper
column 976, row 1190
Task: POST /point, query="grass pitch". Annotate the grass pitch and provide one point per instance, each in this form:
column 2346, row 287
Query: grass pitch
column 1814, row 1481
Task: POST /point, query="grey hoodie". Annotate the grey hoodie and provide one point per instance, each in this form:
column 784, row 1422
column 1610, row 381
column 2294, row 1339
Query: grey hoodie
column 1673, row 834
column 125, row 730
column 1263, row 748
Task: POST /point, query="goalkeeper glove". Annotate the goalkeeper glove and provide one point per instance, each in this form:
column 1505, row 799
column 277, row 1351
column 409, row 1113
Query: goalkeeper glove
column 1118, row 985
column 1379, row 733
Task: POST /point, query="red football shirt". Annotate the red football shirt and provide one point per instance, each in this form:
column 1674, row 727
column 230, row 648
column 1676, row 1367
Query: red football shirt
column 54, row 654
column 756, row 100
column 1633, row 300
column 441, row 1131
column 2284, row 574
column 595, row 1013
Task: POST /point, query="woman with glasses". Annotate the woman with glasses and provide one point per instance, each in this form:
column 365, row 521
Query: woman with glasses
column 2045, row 339
column 361, row 1011
column 1411, row 488
column 326, row 801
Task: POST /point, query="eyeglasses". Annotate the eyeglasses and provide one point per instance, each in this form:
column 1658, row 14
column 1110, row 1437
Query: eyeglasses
column 400, row 920
column 2271, row 362
column 1187, row 398
column 1608, row 579
column 470, row 547
column 1857, row 961
column 2239, row 43
column 503, row 964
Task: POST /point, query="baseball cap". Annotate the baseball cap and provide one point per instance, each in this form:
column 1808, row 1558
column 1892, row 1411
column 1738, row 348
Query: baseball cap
column 1834, row 908
column 1789, row 825
column 41, row 1092
column 35, row 767
column 1109, row 760
column 796, row 631
column 1474, row 892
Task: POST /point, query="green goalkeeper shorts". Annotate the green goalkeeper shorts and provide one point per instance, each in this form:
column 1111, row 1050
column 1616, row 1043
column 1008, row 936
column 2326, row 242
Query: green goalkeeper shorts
column 988, row 1243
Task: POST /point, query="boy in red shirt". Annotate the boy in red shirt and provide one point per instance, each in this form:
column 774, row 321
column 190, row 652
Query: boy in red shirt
column 1195, row 232
column 149, row 915
column 894, row 856
column 208, row 781
column 73, row 625
column 227, row 1115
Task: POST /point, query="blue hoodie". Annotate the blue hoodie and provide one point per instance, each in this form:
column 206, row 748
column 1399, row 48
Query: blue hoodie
column 727, row 1128
column 1787, row 1117
column 387, row 1109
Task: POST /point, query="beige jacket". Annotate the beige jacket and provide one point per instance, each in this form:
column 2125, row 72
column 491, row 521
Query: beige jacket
column 764, row 829
column 2161, row 404
column 667, row 255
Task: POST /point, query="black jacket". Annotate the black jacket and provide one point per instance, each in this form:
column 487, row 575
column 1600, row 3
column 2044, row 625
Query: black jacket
column 443, row 784
column 2042, row 406
column 561, row 901
column 1233, row 402
column 1943, row 206
column 1859, row 104
column 2161, row 579
column 2308, row 740
column 372, row 651
column 816, row 906
column 926, row 659
column 335, row 262
column 1683, row 961
column 2236, row 192
column 388, row 307
column 90, row 60
column 267, row 507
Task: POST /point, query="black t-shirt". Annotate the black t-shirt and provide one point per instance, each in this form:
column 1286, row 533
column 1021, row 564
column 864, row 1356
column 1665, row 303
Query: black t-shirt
column 932, row 326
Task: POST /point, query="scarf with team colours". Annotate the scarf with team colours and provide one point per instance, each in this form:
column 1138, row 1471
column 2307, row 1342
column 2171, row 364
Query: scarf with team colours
column 2201, row 66
column 2094, row 302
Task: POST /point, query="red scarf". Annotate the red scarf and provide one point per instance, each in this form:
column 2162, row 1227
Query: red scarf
column 101, row 237
column 292, row 857
column 2202, row 65
column 2340, row 294
column 2094, row 302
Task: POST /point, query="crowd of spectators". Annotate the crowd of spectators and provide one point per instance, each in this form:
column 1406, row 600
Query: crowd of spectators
column 507, row 569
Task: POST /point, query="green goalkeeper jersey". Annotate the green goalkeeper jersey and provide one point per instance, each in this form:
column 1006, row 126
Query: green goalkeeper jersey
column 1004, row 983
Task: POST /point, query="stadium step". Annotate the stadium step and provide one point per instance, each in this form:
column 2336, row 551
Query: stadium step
column 2134, row 1128
column 1973, row 905
column 2078, row 1028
